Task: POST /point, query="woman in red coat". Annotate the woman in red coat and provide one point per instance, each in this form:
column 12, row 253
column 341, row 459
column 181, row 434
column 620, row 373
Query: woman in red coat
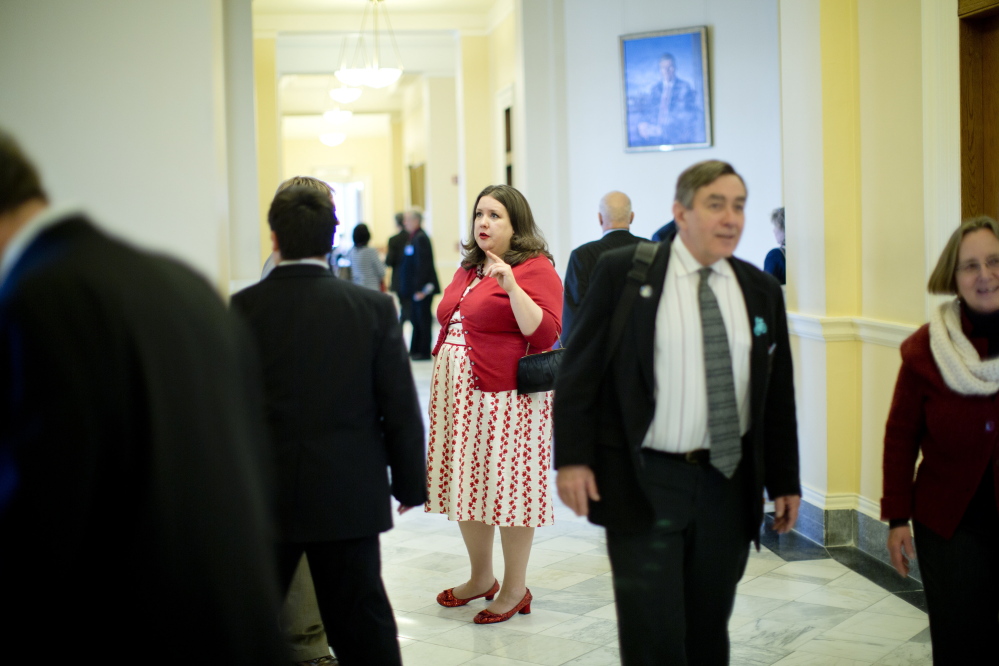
column 945, row 407
column 489, row 451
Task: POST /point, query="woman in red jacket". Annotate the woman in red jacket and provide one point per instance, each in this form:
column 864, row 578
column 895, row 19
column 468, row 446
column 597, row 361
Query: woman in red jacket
column 489, row 451
column 945, row 406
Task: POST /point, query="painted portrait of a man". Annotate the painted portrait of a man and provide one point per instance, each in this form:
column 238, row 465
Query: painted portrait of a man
column 665, row 87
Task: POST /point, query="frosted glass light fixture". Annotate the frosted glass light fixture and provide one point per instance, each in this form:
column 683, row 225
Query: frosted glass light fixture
column 364, row 67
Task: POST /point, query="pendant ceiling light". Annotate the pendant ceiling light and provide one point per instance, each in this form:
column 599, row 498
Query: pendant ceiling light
column 364, row 67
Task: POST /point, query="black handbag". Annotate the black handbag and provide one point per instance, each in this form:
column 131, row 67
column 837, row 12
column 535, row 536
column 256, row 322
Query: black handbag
column 537, row 372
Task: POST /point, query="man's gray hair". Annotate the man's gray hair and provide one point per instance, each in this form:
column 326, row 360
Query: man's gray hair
column 698, row 175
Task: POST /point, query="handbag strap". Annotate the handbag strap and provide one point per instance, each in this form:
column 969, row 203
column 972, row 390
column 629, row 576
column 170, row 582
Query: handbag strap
column 645, row 254
column 529, row 344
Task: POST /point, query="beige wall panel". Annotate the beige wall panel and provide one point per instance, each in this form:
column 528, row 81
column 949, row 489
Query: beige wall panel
column 502, row 50
column 810, row 396
column 268, row 131
column 880, row 366
column 476, row 119
column 370, row 161
column 801, row 116
column 443, row 217
column 891, row 133
column 123, row 122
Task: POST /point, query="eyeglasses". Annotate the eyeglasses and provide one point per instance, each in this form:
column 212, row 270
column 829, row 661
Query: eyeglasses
column 974, row 268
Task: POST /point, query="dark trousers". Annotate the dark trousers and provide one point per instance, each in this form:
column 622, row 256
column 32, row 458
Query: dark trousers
column 961, row 579
column 352, row 600
column 405, row 308
column 675, row 583
column 422, row 321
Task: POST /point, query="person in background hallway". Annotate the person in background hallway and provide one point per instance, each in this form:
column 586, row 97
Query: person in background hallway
column 945, row 408
column 342, row 411
column 671, row 451
column 776, row 261
column 668, row 230
column 366, row 267
column 489, row 450
column 418, row 283
column 393, row 257
column 133, row 512
column 615, row 217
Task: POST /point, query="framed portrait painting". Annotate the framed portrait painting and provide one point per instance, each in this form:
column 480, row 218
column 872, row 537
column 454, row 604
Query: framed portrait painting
column 666, row 92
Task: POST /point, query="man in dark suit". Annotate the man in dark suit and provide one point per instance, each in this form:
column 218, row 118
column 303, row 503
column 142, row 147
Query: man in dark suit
column 418, row 283
column 667, row 231
column 615, row 217
column 342, row 410
column 393, row 257
column 669, row 112
column 133, row 518
column 670, row 440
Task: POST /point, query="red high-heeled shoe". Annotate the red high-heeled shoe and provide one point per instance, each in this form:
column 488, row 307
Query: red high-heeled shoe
column 488, row 617
column 447, row 598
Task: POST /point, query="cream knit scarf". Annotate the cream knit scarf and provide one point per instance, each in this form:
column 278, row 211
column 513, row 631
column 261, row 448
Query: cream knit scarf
column 958, row 361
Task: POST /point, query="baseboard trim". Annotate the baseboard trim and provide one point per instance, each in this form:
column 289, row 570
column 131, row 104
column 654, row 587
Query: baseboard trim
column 857, row 526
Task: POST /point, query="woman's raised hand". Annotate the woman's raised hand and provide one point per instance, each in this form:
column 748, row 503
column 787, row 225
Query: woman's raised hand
column 502, row 271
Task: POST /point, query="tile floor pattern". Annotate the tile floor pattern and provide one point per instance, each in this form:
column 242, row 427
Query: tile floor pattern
column 798, row 613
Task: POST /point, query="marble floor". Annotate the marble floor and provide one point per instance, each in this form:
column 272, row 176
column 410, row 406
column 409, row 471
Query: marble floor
column 803, row 606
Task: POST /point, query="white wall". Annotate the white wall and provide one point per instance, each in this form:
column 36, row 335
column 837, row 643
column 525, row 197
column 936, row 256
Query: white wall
column 745, row 93
column 122, row 104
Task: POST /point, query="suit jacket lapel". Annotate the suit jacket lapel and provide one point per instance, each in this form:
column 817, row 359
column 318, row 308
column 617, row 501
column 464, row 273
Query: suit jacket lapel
column 756, row 309
column 644, row 316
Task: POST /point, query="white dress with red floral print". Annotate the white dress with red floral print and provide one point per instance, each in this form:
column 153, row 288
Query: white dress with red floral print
column 489, row 454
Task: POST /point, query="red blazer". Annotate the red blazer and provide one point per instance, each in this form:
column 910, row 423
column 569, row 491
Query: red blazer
column 495, row 342
column 956, row 433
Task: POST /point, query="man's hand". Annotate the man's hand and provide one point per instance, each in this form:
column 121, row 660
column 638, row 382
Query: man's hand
column 403, row 508
column 900, row 549
column 577, row 486
column 786, row 512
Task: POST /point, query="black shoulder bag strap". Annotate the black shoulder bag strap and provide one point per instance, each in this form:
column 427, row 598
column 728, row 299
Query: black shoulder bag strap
column 645, row 254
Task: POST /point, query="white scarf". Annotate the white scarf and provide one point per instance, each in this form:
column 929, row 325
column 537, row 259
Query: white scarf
column 959, row 363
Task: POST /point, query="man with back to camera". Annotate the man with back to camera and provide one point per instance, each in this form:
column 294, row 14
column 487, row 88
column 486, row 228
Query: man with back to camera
column 342, row 410
column 671, row 451
column 418, row 284
column 615, row 217
column 133, row 516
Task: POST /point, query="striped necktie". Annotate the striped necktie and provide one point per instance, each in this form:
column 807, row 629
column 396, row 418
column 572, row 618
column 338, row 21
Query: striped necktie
column 723, row 415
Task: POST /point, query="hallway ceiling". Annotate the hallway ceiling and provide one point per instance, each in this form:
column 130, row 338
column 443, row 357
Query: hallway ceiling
column 422, row 6
column 309, row 39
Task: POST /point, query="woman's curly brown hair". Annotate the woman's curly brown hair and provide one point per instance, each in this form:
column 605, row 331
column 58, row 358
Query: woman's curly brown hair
column 527, row 241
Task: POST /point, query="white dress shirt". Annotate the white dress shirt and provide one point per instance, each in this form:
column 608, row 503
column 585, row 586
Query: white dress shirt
column 310, row 261
column 680, row 423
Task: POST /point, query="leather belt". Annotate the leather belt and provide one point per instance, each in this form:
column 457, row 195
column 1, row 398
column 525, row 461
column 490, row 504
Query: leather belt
column 695, row 457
